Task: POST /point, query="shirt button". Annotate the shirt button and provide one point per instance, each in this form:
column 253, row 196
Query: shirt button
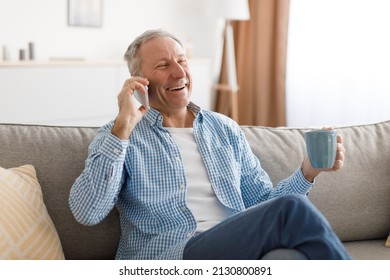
column 189, row 234
column 178, row 158
column 116, row 151
column 183, row 208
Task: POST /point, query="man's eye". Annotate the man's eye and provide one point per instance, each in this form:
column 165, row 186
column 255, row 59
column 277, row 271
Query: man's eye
column 162, row 65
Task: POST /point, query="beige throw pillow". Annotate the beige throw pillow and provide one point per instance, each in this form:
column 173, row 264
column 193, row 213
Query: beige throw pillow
column 388, row 241
column 26, row 229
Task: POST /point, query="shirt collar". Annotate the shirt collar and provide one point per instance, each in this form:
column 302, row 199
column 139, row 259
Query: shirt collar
column 154, row 117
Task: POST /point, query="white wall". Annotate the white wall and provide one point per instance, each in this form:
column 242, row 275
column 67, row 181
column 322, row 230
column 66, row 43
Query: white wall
column 76, row 94
column 44, row 22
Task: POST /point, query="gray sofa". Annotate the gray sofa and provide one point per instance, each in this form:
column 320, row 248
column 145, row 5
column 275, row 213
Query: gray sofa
column 356, row 200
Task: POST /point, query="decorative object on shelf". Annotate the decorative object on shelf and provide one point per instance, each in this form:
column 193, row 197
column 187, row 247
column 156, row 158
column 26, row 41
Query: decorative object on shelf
column 22, row 54
column 189, row 47
column 85, row 13
column 230, row 10
column 31, row 51
column 5, row 53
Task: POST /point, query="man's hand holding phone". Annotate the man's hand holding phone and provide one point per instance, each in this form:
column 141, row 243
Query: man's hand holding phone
column 129, row 113
column 142, row 98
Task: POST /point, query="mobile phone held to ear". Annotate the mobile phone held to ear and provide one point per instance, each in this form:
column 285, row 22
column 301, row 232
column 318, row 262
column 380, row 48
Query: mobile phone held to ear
column 142, row 98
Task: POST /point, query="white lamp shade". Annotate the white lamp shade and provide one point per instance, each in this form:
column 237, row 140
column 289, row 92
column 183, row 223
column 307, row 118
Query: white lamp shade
column 229, row 9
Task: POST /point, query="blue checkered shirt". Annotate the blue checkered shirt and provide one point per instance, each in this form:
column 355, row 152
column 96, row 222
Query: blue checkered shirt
column 145, row 178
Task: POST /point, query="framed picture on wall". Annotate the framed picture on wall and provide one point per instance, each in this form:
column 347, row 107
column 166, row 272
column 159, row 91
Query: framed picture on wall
column 85, row 13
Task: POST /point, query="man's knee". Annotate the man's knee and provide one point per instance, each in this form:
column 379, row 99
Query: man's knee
column 294, row 200
column 296, row 204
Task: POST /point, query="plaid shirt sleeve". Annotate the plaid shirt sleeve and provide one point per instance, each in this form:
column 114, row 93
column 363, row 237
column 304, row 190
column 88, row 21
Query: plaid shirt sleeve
column 256, row 184
column 96, row 190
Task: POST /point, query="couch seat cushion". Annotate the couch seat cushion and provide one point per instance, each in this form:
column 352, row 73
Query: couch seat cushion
column 368, row 250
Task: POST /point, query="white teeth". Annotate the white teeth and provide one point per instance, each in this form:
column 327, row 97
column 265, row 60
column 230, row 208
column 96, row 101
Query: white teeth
column 177, row 88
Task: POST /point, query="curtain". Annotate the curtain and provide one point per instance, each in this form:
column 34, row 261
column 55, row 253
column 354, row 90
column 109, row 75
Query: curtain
column 260, row 48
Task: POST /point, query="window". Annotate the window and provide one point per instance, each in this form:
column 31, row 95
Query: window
column 338, row 62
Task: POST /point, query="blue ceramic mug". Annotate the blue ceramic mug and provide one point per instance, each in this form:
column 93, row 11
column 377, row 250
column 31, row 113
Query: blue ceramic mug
column 321, row 146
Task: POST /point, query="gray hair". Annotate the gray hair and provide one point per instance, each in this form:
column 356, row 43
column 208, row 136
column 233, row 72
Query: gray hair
column 132, row 56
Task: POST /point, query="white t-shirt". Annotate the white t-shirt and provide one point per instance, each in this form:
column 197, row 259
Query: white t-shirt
column 201, row 199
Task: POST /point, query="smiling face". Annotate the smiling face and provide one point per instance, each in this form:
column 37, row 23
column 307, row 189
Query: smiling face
column 164, row 64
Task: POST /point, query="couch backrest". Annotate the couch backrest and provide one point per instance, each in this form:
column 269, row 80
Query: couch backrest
column 356, row 199
column 58, row 155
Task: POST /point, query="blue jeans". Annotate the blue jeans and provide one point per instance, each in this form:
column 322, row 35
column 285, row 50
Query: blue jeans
column 291, row 222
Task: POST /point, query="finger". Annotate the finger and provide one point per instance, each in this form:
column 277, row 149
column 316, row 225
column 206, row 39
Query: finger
column 142, row 88
column 138, row 82
column 142, row 109
column 339, row 138
column 340, row 155
column 141, row 80
column 338, row 164
column 340, row 147
column 135, row 83
column 130, row 85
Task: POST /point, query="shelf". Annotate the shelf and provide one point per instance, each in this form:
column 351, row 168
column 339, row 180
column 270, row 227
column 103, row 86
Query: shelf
column 75, row 62
column 60, row 63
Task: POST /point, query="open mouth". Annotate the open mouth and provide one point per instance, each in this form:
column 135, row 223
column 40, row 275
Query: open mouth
column 176, row 88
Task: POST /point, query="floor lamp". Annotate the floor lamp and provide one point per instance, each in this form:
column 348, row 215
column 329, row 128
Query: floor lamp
column 230, row 10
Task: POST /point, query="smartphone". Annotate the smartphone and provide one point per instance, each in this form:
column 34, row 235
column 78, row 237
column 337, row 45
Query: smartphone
column 142, row 98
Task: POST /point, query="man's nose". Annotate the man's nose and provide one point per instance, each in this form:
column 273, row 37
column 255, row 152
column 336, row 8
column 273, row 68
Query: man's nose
column 178, row 71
